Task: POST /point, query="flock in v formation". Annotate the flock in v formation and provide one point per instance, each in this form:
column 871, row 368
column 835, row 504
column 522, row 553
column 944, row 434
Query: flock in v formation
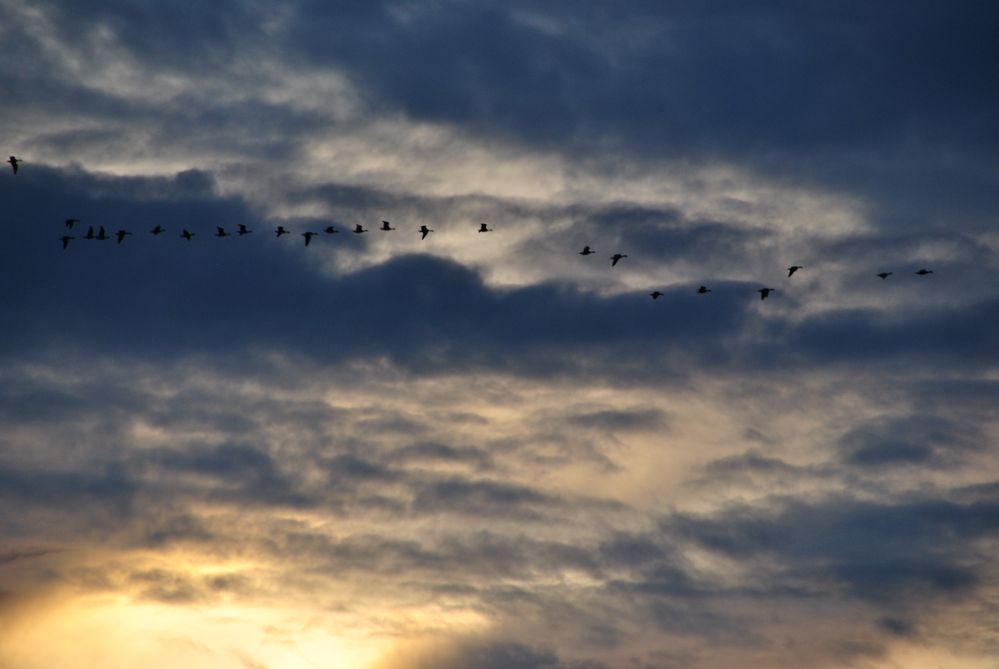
column 386, row 226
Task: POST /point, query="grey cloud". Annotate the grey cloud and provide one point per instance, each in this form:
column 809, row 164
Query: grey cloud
column 915, row 440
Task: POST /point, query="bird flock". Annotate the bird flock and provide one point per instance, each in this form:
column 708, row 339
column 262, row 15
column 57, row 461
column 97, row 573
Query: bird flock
column 386, row 226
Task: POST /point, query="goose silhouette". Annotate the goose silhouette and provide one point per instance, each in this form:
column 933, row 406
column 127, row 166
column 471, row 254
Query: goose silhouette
column 484, row 227
column 616, row 257
column 308, row 236
column 70, row 221
column 765, row 292
column 90, row 233
column 101, row 235
column 586, row 251
column 358, row 229
column 703, row 289
column 187, row 235
column 279, row 230
column 655, row 294
column 924, row 272
column 158, row 230
column 330, row 230
column 243, row 230
column 13, row 163
column 121, row 235
column 424, row 231
column 65, row 241
column 884, row 275
column 793, row 268
column 386, row 226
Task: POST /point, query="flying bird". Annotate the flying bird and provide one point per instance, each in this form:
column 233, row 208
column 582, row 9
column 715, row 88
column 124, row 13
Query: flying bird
column 308, row 236
column 424, row 231
column 65, row 240
column 220, row 232
column 358, row 229
column 386, row 226
column 13, row 163
column 187, row 235
column 885, row 275
column 101, row 235
column 158, row 230
column 484, row 227
column 121, row 235
column 586, row 251
column 655, row 294
column 70, row 221
column 703, row 289
column 793, row 268
column 243, row 230
column 330, row 230
column 90, row 233
column 616, row 257
column 279, row 230
column 924, row 272
column 765, row 292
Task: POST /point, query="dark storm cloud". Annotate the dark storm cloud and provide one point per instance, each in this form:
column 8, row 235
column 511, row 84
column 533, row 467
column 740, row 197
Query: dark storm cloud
column 913, row 440
column 885, row 552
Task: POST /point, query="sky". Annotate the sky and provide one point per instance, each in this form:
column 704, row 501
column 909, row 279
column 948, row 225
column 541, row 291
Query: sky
column 487, row 450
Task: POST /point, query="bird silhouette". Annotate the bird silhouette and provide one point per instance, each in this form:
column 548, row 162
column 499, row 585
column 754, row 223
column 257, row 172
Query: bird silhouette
column 279, row 230
column 424, row 231
column 655, row 294
column 703, row 289
column 793, row 268
column 386, row 226
column 121, row 235
column 765, row 292
column 90, row 233
column 158, row 230
column 187, row 235
column 924, row 272
column 358, row 229
column 13, row 163
column 101, row 235
column 243, row 230
column 884, row 275
column 330, row 230
column 65, row 240
column 586, row 251
column 616, row 257
column 220, row 232
column 70, row 221
column 308, row 236
column 484, row 227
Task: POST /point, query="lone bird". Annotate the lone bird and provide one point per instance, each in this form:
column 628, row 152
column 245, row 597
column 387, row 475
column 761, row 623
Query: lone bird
column 655, row 294
column 243, row 230
column 884, row 275
column 386, row 226
column 308, row 236
column 765, row 292
column 121, row 235
column 65, row 240
column 359, row 229
column 90, row 233
column 330, row 230
column 220, row 232
column 13, row 163
column 586, row 251
column 703, row 289
column 793, row 268
column 924, row 272
column 70, row 221
column 101, row 235
column 484, row 227
column 616, row 257
column 187, row 235
column 424, row 231
column 158, row 230
column 279, row 230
